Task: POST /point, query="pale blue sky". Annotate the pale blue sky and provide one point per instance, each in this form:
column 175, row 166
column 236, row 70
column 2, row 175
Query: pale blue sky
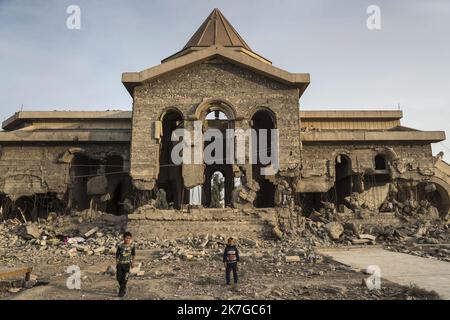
column 45, row 66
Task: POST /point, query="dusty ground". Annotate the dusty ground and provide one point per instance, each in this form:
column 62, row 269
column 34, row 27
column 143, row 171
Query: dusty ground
column 191, row 267
column 203, row 278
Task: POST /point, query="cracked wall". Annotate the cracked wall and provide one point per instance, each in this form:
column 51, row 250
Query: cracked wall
column 33, row 173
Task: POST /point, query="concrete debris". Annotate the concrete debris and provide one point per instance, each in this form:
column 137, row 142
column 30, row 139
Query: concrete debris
column 367, row 236
column 335, row 230
column 244, row 196
column 248, row 242
column 292, row 259
column 91, row 232
column 99, row 250
column 75, row 240
column 32, row 232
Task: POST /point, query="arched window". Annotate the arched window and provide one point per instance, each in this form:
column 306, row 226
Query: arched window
column 216, row 115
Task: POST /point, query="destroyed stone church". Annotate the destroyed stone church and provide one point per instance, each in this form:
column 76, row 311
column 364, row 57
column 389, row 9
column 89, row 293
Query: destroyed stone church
column 360, row 163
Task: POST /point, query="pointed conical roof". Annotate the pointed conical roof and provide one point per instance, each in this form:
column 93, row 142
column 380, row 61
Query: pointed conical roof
column 216, row 30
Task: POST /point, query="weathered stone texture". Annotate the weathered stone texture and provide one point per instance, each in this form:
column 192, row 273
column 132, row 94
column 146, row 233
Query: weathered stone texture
column 411, row 161
column 36, row 169
column 244, row 90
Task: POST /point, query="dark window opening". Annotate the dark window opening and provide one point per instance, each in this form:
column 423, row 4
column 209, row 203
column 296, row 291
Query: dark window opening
column 265, row 197
column 380, row 162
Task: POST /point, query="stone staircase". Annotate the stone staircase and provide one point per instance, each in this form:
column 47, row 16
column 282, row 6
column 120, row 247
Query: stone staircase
column 171, row 224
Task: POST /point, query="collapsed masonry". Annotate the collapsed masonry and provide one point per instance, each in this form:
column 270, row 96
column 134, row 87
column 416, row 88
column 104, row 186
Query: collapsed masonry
column 358, row 163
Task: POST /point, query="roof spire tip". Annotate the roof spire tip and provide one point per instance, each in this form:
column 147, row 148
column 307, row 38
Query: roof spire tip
column 216, row 30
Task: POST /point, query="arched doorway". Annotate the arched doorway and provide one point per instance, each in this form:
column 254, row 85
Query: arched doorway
column 344, row 175
column 218, row 117
column 224, row 173
column 170, row 175
column 118, row 189
column 436, row 193
column 263, row 121
column 82, row 169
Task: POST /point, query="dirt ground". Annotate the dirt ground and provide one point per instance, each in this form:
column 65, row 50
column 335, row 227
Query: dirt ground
column 190, row 266
column 261, row 277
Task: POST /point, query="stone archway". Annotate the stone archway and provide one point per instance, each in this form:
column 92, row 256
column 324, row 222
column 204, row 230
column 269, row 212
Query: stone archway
column 440, row 197
column 215, row 105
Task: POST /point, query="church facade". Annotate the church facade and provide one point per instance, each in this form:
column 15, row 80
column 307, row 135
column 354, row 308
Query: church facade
column 357, row 161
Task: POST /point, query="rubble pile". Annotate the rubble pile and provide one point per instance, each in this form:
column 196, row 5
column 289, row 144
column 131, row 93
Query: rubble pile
column 81, row 233
column 192, row 266
column 425, row 239
column 244, row 195
column 422, row 237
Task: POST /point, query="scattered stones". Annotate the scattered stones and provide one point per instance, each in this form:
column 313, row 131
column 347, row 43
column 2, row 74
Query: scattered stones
column 81, row 248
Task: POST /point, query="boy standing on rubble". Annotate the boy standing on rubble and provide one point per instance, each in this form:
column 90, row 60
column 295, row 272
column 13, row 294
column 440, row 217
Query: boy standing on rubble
column 125, row 254
column 230, row 260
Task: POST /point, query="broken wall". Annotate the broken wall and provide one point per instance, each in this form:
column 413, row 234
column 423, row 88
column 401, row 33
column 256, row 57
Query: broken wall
column 409, row 162
column 45, row 170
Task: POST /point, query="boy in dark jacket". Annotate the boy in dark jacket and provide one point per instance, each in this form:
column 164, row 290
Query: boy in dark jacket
column 230, row 260
column 125, row 254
